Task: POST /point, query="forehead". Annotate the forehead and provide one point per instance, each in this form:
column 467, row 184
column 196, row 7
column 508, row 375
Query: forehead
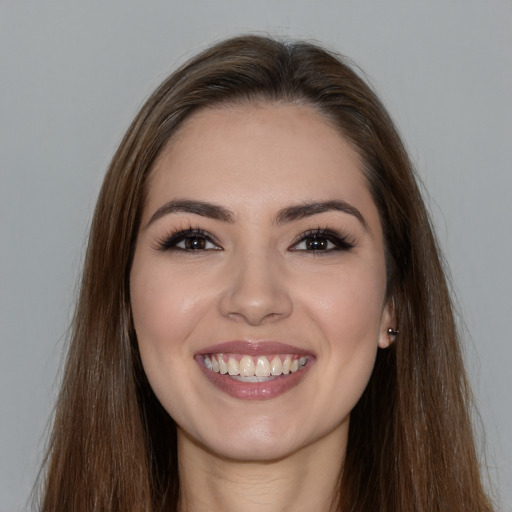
column 254, row 155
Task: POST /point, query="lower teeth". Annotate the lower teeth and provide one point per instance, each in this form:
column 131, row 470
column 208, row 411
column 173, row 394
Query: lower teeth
column 252, row 379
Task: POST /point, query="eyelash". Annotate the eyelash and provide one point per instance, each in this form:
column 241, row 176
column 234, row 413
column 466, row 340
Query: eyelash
column 171, row 241
column 340, row 241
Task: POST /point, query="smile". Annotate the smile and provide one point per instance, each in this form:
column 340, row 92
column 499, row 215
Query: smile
column 247, row 368
column 254, row 370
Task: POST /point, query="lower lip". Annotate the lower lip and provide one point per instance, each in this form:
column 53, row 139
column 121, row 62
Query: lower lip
column 254, row 390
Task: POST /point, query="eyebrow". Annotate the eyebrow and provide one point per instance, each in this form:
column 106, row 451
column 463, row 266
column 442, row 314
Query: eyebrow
column 300, row 211
column 288, row 214
column 202, row 208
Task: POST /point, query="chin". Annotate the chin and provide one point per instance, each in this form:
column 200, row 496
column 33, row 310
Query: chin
column 260, row 439
column 256, row 449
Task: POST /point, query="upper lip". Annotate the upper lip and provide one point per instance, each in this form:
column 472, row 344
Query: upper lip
column 252, row 348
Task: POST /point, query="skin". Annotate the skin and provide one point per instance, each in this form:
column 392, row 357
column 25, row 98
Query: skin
column 257, row 281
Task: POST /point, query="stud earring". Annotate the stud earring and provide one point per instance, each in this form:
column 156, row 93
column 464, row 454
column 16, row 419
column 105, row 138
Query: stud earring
column 393, row 332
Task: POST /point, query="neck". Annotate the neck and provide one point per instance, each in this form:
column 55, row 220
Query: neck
column 304, row 481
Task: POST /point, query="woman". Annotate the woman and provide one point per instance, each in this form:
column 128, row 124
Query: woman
column 264, row 322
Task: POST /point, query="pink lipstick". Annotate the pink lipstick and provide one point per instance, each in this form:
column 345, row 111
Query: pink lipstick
column 254, row 370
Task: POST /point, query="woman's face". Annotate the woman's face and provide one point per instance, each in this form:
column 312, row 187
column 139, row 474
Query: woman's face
column 258, row 281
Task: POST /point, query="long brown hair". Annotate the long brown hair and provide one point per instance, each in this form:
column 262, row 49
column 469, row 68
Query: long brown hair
column 411, row 445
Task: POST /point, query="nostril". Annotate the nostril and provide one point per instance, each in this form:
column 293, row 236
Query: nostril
column 255, row 310
column 255, row 292
column 255, row 319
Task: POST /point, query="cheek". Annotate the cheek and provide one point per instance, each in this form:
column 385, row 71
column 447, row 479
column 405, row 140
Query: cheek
column 346, row 314
column 346, row 305
column 164, row 306
column 164, row 314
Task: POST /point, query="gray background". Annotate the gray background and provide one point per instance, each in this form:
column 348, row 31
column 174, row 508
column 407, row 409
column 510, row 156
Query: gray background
column 73, row 75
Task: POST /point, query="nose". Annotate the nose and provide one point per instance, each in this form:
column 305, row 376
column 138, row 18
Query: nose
column 256, row 291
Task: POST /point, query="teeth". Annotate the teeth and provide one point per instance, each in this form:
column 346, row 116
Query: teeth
column 233, row 368
column 250, row 369
column 287, row 364
column 252, row 379
column 223, row 367
column 276, row 366
column 262, row 367
column 247, row 366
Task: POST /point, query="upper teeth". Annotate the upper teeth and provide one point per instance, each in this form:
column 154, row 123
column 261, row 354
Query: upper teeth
column 249, row 366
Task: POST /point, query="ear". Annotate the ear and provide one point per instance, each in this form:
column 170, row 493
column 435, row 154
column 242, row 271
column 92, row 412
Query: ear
column 388, row 321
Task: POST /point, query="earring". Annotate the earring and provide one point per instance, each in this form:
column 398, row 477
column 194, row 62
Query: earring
column 393, row 332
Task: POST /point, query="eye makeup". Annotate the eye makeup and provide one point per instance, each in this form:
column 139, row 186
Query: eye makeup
column 317, row 241
column 188, row 240
column 322, row 240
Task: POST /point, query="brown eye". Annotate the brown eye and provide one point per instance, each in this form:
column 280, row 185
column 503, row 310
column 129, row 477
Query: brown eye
column 193, row 243
column 326, row 241
column 189, row 241
column 318, row 243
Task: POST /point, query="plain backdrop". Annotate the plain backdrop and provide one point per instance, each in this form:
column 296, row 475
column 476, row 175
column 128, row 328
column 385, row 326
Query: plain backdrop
column 74, row 73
